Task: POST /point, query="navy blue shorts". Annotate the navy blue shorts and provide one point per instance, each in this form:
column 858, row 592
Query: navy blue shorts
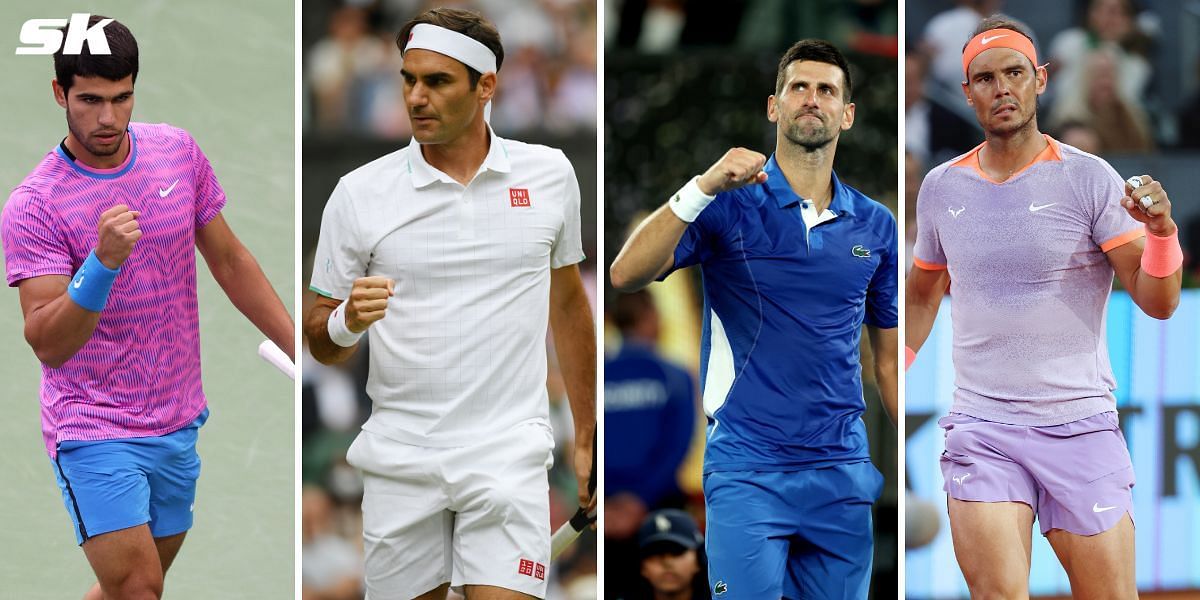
column 791, row 534
column 111, row 485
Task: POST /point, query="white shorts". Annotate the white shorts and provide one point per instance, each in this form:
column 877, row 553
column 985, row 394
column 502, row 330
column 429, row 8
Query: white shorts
column 474, row 515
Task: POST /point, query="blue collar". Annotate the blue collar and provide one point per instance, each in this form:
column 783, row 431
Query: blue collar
column 778, row 186
column 103, row 173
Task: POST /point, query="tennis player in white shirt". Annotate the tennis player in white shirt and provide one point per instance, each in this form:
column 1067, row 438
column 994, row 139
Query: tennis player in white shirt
column 453, row 255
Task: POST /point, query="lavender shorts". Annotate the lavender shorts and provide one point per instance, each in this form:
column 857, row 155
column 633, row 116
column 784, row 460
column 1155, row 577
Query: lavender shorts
column 1077, row 476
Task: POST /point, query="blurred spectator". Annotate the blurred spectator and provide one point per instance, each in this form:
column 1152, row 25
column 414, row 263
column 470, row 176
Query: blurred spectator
column 672, row 564
column 649, row 409
column 1120, row 123
column 332, row 565
column 945, row 35
column 914, row 172
column 931, row 131
column 1189, row 117
column 1110, row 25
column 1079, row 135
column 547, row 79
column 339, row 66
column 649, row 416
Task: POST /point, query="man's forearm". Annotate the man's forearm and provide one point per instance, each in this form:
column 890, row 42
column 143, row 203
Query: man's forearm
column 885, row 378
column 1157, row 297
column 251, row 293
column 648, row 252
column 316, row 330
column 575, row 345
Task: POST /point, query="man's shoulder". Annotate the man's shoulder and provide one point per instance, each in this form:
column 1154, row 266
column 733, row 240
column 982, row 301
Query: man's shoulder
column 153, row 133
column 1076, row 160
column 526, row 154
column 381, row 174
column 868, row 208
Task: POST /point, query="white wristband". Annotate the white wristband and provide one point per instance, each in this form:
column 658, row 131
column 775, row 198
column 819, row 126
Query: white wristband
column 689, row 201
column 338, row 331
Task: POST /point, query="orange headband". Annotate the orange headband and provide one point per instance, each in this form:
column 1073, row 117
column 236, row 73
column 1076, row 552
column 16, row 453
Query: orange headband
column 998, row 38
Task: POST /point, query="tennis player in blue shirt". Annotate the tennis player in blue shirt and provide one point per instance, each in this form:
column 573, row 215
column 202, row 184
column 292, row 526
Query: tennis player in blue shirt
column 794, row 262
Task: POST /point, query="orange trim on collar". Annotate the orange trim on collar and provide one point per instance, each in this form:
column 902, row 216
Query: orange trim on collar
column 971, row 159
column 998, row 38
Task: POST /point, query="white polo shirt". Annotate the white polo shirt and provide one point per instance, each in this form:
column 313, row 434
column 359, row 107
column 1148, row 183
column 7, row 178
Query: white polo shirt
column 461, row 352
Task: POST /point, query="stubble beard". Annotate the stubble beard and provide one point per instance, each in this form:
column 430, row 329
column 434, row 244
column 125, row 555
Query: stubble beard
column 811, row 138
column 83, row 139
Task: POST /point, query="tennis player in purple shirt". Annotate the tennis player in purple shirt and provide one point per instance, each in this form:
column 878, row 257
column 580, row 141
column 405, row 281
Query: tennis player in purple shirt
column 1031, row 231
column 99, row 240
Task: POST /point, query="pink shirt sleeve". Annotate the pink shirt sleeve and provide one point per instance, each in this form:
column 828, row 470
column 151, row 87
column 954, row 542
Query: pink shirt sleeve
column 33, row 244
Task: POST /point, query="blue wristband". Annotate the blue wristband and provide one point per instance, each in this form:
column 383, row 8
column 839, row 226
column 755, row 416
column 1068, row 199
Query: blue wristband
column 91, row 283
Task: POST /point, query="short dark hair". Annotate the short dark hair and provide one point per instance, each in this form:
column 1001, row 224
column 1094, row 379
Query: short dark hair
column 819, row 51
column 466, row 22
column 121, row 62
column 999, row 21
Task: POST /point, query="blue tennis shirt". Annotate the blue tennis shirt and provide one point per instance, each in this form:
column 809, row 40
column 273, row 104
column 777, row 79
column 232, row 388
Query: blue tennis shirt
column 783, row 313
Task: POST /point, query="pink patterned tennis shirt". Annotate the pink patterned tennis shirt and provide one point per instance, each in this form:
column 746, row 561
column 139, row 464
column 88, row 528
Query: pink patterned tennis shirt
column 139, row 374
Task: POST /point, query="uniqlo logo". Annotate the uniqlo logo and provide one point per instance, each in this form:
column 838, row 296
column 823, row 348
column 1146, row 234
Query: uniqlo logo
column 518, row 196
column 526, row 567
column 540, row 571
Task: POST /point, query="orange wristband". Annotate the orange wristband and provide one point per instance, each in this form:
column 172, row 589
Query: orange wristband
column 909, row 357
column 1162, row 255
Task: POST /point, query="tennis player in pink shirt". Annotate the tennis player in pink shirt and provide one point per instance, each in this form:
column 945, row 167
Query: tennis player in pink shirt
column 1028, row 233
column 99, row 240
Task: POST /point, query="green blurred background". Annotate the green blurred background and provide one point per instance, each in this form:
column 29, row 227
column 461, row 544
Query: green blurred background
column 223, row 70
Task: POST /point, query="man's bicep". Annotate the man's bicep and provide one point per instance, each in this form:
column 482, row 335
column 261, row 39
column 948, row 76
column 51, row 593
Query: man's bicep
column 37, row 292
column 926, row 286
column 566, row 286
column 1126, row 259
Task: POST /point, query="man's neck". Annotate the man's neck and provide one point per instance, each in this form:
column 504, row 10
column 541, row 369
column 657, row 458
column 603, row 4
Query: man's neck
column 97, row 162
column 461, row 157
column 1004, row 155
column 809, row 172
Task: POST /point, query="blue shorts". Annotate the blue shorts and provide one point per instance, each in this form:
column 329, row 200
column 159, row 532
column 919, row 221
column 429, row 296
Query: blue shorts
column 791, row 534
column 110, row 485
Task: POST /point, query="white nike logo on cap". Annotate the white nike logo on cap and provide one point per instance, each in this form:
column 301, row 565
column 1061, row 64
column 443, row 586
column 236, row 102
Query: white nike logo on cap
column 1096, row 508
column 986, row 39
column 1035, row 208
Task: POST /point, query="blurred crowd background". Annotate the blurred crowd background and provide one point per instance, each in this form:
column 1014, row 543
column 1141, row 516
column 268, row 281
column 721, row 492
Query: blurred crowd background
column 353, row 112
column 684, row 82
column 1124, row 84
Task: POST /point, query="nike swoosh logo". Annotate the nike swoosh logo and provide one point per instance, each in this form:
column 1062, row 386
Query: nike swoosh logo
column 164, row 193
column 78, row 282
column 986, row 40
column 1096, row 508
column 1035, row 208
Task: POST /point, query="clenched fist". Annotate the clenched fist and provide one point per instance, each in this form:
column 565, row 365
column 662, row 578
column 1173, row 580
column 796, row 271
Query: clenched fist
column 368, row 302
column 118, row 229
column 737, row 168
column 1148, row 203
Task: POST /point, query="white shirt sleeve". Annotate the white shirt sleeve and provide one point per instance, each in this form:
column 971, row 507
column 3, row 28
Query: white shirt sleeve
column 568, row 244
column 340, row 257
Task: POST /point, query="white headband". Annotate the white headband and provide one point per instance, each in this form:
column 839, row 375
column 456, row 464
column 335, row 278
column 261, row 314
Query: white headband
column 464, row 49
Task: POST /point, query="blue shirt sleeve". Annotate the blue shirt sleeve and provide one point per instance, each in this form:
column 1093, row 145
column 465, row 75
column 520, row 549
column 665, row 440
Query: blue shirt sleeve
column 702, row 238
column 882, row 291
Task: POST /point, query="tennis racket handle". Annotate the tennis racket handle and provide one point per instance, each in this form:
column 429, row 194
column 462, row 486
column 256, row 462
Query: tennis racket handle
column 272, row 354
column 568, row 532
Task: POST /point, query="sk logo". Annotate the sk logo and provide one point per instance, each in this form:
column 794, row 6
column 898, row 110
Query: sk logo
column 861, row 251
column 44, row 36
